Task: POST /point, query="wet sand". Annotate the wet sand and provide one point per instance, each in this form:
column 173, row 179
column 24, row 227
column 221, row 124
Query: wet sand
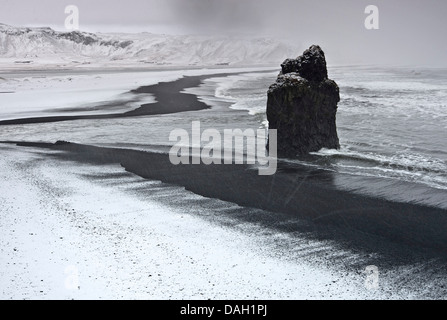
column 83, row 231
column 399, row 230
column 295, row 199
column 169, row 99
column 403, row 232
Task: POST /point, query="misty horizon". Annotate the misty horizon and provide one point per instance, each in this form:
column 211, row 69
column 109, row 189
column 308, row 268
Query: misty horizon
column 410, row 32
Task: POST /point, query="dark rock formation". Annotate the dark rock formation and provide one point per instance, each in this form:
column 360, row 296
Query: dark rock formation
column 302, row 105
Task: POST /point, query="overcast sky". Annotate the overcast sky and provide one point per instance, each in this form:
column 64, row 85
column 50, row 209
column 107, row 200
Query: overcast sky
column 411, row 31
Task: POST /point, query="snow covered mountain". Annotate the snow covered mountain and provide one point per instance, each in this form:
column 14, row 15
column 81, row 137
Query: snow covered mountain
column 47, row 46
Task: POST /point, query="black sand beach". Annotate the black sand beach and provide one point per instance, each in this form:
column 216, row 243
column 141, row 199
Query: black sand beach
column 295, row 199
column 169, row 96
column 400, row 231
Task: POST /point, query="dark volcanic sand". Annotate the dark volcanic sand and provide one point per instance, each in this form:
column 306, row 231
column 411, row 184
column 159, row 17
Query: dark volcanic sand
column 169, row 98
column 404, row 232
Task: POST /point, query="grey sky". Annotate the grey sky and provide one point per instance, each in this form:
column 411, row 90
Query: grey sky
column 411, row 31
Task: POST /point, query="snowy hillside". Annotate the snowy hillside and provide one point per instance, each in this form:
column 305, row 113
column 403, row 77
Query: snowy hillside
column 47, row 46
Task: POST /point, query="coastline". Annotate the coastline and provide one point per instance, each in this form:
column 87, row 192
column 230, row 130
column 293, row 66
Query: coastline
column 296, row 202
column 125, row 237
column 71, row 231
column 166, row 102
column 295, row 190
column 401, row 231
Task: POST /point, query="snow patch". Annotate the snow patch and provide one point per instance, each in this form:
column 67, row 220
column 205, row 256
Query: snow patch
column 44, row 46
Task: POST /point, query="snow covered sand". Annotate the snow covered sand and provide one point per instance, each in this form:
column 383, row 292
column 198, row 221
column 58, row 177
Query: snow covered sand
column 67, row 236
column 76, row 231
column 70, row 230
column 84, row 92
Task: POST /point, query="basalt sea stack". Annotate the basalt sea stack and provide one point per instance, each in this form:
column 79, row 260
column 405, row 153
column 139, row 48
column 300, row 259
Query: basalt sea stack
column 302, row 105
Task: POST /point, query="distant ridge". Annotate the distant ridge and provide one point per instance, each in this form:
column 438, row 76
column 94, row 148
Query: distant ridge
column 45, row 44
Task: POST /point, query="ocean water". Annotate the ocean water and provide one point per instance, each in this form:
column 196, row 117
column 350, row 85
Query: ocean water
column 392, row 125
